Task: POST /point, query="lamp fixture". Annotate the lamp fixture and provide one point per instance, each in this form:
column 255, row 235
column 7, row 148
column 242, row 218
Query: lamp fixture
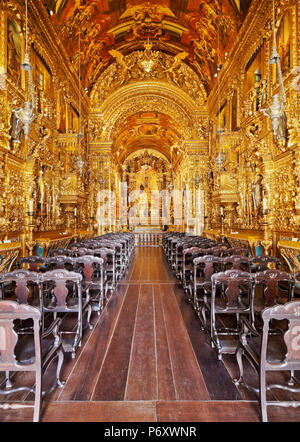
column 79, row 161
column 26, row 115
column 221, row 157
column 276, row 111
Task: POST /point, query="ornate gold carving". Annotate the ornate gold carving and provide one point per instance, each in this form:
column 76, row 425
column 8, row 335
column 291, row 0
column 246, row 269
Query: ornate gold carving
column 129, row 70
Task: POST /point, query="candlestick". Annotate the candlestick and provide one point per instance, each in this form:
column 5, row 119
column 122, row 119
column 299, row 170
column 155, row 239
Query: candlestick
column 30, row 205
column 264, row 205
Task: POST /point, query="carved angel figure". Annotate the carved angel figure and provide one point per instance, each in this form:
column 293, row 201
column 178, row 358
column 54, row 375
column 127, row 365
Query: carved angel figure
column 278, row 118
column 177, row 61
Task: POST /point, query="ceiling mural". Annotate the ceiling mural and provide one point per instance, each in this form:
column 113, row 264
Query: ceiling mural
column 202, row 30
column 145, row 130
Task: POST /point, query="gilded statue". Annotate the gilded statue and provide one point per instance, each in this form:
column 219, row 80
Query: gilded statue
column 278, row 118
column 16, row 126
column 257, row 193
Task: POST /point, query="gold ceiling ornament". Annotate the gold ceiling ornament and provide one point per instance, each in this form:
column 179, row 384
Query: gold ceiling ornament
column 147, row 65
column 147, row 19
column 148, row 58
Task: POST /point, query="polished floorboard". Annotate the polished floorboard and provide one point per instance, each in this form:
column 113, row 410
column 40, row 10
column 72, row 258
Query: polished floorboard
column 147, row 360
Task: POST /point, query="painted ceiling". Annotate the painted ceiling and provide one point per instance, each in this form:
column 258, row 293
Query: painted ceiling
column 204, row 29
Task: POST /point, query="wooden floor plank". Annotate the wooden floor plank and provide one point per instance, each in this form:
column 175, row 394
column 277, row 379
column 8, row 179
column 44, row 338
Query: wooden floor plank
column 221, row 411
column 211, row 411
column 141, row 383
column 165, row 381
column 79, row 387
column 113, row 376
column 188, row 380
column 217, row 379
column 100, row 412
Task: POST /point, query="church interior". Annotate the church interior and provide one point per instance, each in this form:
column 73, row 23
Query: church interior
column 150, row 210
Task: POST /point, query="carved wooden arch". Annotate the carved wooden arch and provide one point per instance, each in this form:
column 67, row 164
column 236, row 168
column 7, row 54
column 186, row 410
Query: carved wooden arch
column 150, row 97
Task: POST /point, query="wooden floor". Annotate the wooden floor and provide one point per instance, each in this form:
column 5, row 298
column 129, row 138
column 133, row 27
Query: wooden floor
column 146, row 360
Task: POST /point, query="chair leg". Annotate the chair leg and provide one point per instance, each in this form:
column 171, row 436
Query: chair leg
column 8, row 383
column 61, row 356
column 38, row 396
column 239, row 358
column 291, row 381
column 263, row 396
column 89, row 314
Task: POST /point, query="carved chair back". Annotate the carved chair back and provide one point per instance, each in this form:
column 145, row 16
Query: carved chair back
column 233, row 282
column 237, row 262
column 32, row 262
column 261, row 263
column 208, row 265
column 60, row 262
column 291, row 354
column 59, row 280
column 9, row 312
column 272, row 282
column 237, row 251
column 60, row 252
column 89, row 262
column 21, row 279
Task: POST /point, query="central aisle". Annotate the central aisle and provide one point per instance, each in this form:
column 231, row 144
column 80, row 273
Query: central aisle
column 143, row 351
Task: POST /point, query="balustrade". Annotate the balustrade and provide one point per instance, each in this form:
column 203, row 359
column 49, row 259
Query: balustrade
column 148, row 239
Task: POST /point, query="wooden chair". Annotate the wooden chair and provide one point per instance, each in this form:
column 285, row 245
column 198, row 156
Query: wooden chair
column 32, row 263
column 61, row 262
column 61, row 294
column 237, row 251
column 189, row 254
column 236, row 262
column 230, row 297
column 23, row 286
column 109, row 267
column 204, row 268
column 33, row 354
column 270, row 287
column 269, row 353
column 261, row 263
column 92, row 269
column 60, row 252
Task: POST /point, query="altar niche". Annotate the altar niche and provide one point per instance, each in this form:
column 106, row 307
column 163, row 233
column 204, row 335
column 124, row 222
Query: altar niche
column 150, row 208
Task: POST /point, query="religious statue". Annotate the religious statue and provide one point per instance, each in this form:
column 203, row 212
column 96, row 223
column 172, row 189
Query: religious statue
column 257, row 193
column 16, row 126
column 277, row 115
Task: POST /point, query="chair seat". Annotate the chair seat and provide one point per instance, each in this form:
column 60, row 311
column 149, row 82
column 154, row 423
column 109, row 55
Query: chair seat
column 276, row 349
column 221, row 304
column 25, row 350
column 72, row 304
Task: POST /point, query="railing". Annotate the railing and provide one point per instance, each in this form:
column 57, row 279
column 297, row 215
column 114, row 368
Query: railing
column 145, row 239
column 8, row 254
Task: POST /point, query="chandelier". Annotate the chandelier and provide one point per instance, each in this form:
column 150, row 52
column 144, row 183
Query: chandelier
column 276, row 111
column 79, row 161
column 26, row 115
column 221, row 157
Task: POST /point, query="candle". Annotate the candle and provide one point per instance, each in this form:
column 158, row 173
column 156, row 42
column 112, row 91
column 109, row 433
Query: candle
column 264, row 204
column 30, row 205
column 222, row 210
column 75, row 211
